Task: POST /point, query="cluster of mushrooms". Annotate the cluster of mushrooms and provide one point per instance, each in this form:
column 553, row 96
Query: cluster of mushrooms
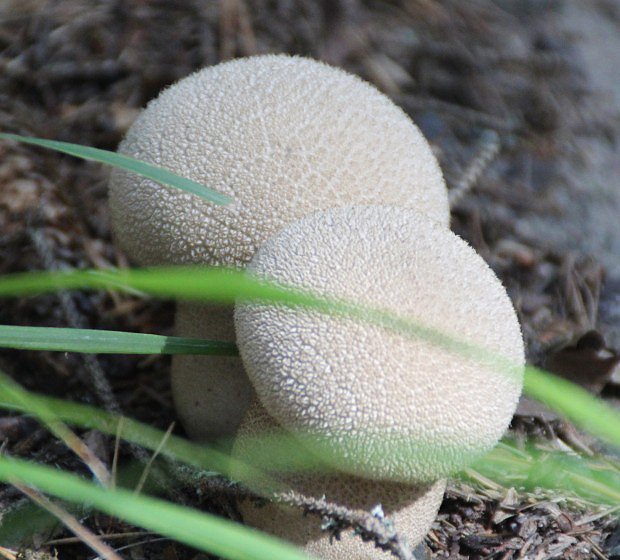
column 337, row 192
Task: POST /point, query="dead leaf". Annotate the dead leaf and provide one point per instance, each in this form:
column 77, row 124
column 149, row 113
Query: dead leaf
column 587, row 362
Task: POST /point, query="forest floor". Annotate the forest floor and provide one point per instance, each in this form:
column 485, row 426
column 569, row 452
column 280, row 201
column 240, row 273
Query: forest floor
column 521, row 102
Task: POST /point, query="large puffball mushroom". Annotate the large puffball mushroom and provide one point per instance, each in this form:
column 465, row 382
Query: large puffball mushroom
column 376, row 402
column 283, row 136
column 410, row 508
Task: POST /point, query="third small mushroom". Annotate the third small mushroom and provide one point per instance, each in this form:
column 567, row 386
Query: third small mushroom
column 336, row 192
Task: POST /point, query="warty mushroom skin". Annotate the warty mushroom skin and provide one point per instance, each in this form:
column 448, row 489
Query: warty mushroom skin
column 284, row 136
column 411, row 508
column 378, row 403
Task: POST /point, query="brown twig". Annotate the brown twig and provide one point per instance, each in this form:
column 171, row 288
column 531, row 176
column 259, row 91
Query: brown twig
column 108, row 537
column 368, row 526
column 62, row 432
column 7, row 554
column 117, row 448
column 487, row 150
column 149, row 465
column 70, row 522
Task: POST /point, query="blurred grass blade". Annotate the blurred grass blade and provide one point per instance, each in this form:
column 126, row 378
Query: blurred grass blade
column 532, row 468
column 505, row 464
column 121, row 161
column 215, row 284
column 227, row 286
column 12, row 392
column 204, row 457
column 201, row 530
column 579, row 406
column 108, row 342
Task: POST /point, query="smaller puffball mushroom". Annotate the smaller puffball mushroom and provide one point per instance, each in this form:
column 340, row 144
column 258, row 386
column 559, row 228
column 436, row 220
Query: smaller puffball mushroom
column 374, row 402
column 283, row 136
column 410, row 508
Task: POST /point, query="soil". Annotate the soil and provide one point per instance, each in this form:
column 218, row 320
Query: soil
column 520, row 100
column 589, row 224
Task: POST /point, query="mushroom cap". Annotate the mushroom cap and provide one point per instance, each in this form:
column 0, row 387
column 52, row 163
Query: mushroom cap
column 284, row 136
column 412, row 509
column 379, row 403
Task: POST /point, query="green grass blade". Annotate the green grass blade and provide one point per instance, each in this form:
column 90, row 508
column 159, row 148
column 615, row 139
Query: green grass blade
column 579, row 406
column 108, row 342
column 204, row 457
column 215, row 284
column 227, row 286
column 12, row 392
column 505, row 464
column 121, row 161
column 203, row 531
column 532, row 468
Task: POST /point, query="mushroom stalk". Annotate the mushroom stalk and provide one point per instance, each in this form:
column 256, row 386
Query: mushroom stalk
column 210, row 393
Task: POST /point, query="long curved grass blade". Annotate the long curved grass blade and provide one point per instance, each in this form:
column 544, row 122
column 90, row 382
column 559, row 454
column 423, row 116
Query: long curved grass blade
column 505, row 464
column 579, row 406
column 215, row 284
column 531, row 468
column 227, row 286
column 108, row 342
column 121, row 161
column 201, row 530
column 14, row 393
column 203, row 457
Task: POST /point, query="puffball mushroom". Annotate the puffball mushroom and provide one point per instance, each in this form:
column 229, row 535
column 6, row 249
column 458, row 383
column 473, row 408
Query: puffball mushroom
column 411, row 508
column 374, row 402
column 283, row 136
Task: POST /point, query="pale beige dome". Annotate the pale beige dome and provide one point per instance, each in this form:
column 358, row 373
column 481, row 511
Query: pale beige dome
column 379, row 403
column 284, row 136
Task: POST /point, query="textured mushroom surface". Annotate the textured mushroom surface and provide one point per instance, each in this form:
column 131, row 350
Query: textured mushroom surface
column 211, row 393
column 377, row 402
column 412, row 509
column 285, row 136
column 282, row 135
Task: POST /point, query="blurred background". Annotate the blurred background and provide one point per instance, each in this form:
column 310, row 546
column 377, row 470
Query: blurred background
column 520, row 101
